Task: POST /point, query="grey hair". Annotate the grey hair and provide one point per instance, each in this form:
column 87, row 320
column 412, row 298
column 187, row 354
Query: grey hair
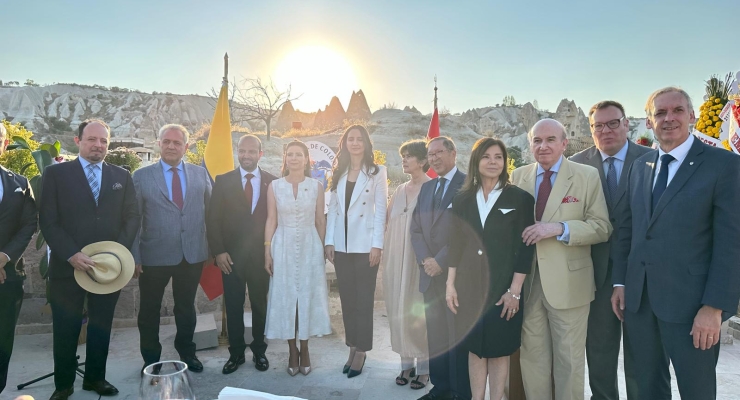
column 530, row 134
column 650, row 104
column 178, row 127
column 446, row 142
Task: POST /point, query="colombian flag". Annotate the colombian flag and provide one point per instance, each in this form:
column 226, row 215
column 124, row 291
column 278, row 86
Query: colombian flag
column 218, row 160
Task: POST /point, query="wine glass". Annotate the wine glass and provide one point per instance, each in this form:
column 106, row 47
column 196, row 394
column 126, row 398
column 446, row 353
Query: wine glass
column 166, row 380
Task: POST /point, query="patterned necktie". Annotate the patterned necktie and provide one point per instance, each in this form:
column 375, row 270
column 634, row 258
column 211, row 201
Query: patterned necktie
column 249, row 190
column 92, row 180
column 611, row 179
column 438, row 194
column 662, row 182
column 176, row 188
column 542, row 195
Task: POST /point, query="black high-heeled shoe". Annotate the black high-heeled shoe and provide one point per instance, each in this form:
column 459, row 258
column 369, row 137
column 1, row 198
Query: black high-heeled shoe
column 345, row 370
column 353, row 373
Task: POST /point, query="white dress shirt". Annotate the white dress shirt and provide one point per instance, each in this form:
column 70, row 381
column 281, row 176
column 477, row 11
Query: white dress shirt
column 618, row 160
column 255, row 184
column 97, row 171
column 448, row 176
column 679, row 153
column 485, row 206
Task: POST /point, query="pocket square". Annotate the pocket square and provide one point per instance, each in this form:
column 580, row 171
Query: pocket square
column 506, row 210
column 450, row 206
column 18, row 190
column 570, row 199
column 117, row 186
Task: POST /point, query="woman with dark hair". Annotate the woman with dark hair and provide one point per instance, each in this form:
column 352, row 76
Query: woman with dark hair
column 403, row 301
column 359, row 195
column 298, row 302
column 488, row 263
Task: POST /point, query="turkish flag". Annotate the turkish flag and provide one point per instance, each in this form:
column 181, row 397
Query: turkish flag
column 431, row 134
column 210, row 281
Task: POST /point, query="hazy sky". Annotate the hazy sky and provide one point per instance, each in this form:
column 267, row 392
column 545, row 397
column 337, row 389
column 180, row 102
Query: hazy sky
column 481, row 51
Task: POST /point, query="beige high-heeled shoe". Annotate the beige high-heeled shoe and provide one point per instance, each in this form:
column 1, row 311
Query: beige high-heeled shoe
column 305, row 370
column 293, row 371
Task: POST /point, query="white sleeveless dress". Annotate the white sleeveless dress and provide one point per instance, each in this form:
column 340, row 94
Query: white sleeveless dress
column 298, row 283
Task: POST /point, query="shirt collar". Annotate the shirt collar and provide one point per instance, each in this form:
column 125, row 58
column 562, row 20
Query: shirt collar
column 680, row 152
column 555, row 168
column 450, row 174
column 85, row 163
column 244, row 172
column 621, row 154
column 167, row 167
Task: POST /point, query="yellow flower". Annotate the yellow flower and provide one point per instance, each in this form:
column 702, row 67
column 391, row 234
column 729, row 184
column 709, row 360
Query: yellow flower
column 726, row 144
column 717, row 100
column 711, row 113
column 715, row 118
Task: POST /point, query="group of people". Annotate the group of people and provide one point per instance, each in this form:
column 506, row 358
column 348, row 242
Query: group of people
column 563, row 260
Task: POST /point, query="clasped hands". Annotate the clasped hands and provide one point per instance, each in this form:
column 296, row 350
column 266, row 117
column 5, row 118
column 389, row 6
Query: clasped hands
column 541, row 230
column 431, row 267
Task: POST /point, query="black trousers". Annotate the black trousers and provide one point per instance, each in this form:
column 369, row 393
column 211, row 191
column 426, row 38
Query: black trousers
column 253, row 277
column 11, row 297
column 152, row 283
column 67, row 299
column 448, row 360
column 656, row 344
column 602, row 348
column 356, row 281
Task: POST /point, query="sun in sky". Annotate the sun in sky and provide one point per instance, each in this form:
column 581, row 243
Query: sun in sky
column 316, row 73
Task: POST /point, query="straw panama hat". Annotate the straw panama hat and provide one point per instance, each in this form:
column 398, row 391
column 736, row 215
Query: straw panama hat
column 114, row 267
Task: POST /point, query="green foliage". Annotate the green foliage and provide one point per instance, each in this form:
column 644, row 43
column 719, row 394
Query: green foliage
column 515, row 155
column 122, row 157
column 508, row 101
column 30, row 82
column 195, row 154
column 15, row 160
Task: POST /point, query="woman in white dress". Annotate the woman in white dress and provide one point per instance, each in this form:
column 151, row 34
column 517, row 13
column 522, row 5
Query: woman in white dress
column 298, row 303
column 403, row 301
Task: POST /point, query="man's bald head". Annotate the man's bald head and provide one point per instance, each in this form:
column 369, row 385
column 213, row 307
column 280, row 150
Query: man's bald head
column 547, row 141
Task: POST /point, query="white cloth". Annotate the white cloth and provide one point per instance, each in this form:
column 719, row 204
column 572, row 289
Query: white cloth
column 485, row 206
column 256, row 180
column 299, row 278
column 679, row 153
column 230, row 393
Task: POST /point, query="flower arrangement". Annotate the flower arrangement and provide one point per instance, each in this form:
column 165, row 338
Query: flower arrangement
column 717, row 92
column 645, row 140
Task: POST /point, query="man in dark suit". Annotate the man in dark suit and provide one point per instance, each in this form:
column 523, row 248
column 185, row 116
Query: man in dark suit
column 612, row 155
column 17, row 225
column 173, row 198
column 431, row 224
column 675, row 265
column 236, row 236
column 84, row 201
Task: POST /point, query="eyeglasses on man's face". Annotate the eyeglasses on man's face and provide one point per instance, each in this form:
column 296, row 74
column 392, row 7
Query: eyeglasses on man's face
column 613, row 124
column 436, row 154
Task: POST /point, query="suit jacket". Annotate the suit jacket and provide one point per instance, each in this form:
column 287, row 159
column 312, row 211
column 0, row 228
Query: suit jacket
column 566, row 269
column 232, row 227
column 365, row 216
column 601, row 252
column 686, row 250
column 431, row 229
column 17, row 221
column 168, row 234
column 487, row 257
column 70, row 219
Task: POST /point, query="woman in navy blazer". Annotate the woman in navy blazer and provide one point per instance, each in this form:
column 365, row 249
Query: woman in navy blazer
column 488, row 264
column 354, row 237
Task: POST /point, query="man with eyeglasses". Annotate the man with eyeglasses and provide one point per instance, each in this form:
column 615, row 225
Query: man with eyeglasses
column 612, row 155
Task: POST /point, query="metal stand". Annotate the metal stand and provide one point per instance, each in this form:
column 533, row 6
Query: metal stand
column 80, row 372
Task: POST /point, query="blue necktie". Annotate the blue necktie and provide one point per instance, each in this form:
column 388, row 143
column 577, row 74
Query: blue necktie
column 662, row 182
column 438, row 194
column 93, row 181
column 611, row 179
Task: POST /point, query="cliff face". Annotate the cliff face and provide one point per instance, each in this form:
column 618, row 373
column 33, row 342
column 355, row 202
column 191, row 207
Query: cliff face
column 60, row 108
column 358, row 108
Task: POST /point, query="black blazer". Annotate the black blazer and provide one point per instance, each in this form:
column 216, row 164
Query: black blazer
column 487, row 258
column 686, row 250
column 17, row 221
column 70, row 219
column 231, row 226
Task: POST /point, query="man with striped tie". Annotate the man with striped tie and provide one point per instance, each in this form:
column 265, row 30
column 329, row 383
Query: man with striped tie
column 84, row 201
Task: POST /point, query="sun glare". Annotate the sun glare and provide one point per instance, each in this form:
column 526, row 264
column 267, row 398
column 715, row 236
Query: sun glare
column 316, row 73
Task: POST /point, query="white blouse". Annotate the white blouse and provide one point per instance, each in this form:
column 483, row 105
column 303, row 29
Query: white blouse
column 485, row 207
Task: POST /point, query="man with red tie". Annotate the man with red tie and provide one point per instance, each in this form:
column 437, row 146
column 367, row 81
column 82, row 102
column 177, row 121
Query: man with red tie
column 236, row 236
column 173, row 197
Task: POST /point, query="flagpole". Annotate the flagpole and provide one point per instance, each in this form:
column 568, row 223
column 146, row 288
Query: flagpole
column 223, row 338
column 435, row 92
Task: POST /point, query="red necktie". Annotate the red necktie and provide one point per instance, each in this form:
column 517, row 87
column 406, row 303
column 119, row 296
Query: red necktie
column 249, row 190
column 176, row 188
column 542, row 194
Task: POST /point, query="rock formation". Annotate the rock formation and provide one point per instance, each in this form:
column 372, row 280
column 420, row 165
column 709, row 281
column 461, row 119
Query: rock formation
column 358, row 108
column 333, row 115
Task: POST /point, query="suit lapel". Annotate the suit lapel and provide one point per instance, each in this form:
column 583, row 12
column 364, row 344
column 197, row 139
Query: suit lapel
column 559, row 190
column 105, row 181
column 263, row 190
column 647, row 187
column 688, row 167
column 190, row 195
column 161, row 184
column 362, row 180
column 452, row 189
column 624, row 177
column 82, row 177
column 593, row 158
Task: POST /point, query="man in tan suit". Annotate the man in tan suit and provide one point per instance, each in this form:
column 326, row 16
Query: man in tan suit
column 571, row 214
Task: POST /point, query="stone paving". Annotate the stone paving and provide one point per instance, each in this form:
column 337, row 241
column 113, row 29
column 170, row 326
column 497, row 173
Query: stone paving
column 32, row 357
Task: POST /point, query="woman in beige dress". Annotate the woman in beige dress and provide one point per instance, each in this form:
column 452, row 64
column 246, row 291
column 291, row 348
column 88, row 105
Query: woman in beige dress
column 403, row 301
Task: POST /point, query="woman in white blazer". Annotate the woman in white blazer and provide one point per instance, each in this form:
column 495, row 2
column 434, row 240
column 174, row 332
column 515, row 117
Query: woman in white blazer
column 354, row 237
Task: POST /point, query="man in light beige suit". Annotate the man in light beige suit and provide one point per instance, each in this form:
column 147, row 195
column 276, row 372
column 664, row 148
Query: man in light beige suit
column 571, row 214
